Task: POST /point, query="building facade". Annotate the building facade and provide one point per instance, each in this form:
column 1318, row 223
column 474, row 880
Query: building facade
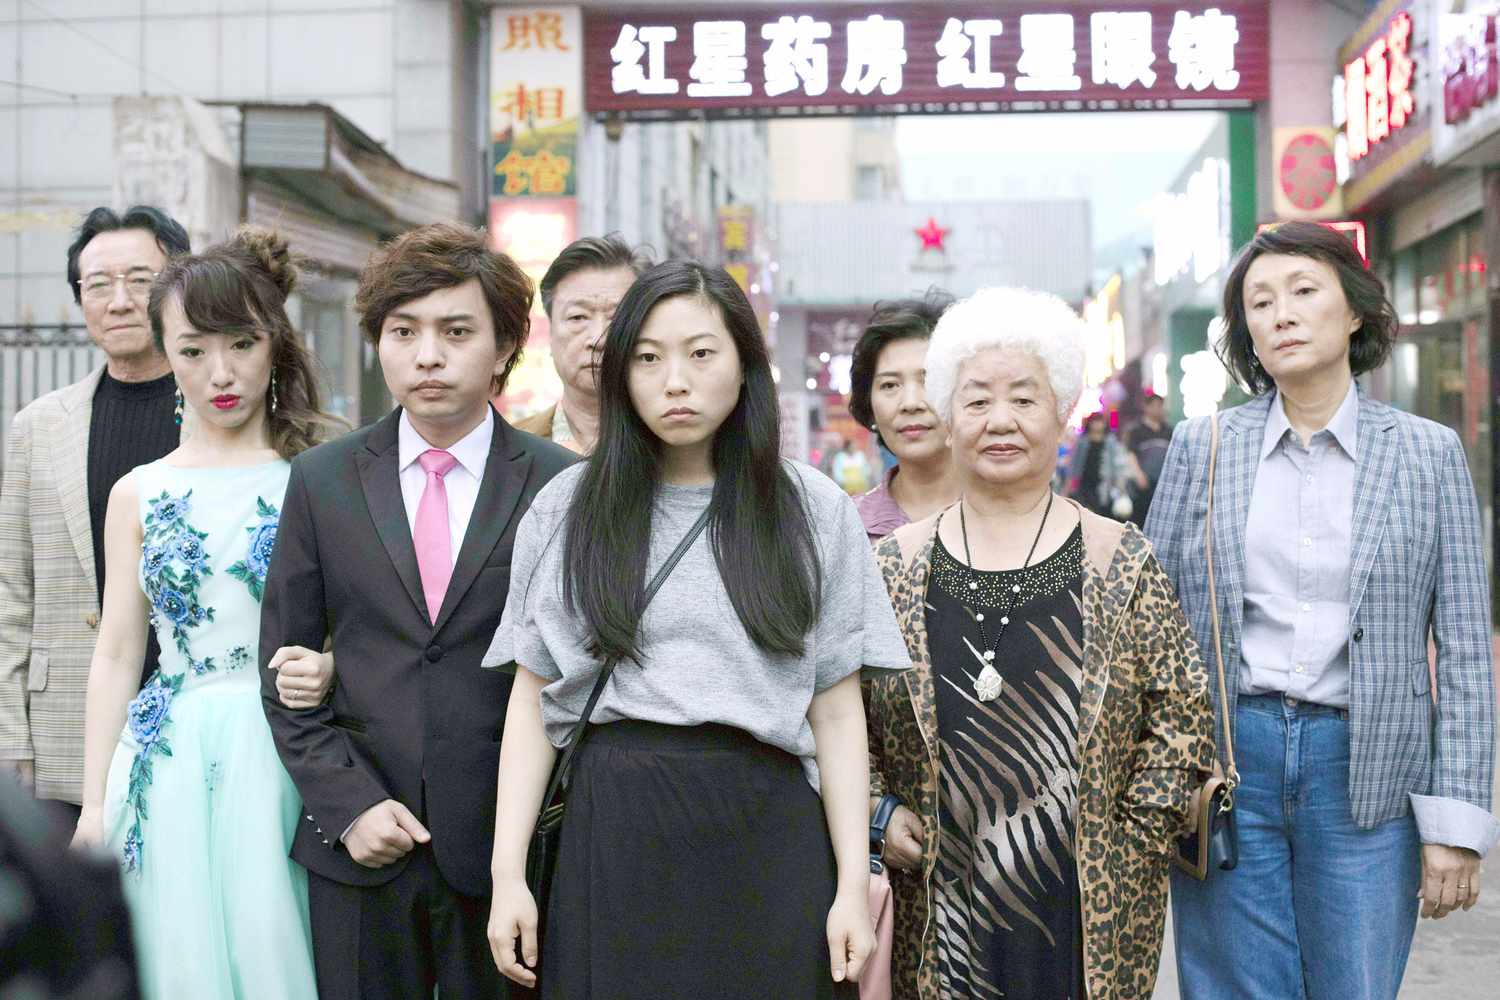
column 394, row 95
column 826, row 293
column 1422, row 148
column 222, row 113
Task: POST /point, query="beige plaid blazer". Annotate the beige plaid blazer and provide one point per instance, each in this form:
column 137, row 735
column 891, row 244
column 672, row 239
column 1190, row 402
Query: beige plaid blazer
column 49, row 600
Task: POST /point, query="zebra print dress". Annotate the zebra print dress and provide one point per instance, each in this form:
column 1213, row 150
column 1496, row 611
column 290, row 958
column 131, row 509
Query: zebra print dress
column 1006, row 887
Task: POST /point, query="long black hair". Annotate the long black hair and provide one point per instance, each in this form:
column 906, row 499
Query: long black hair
column 758, row 525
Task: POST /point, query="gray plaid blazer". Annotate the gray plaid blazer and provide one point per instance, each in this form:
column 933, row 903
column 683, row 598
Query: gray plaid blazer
column 49, row 600
column 1417, row 570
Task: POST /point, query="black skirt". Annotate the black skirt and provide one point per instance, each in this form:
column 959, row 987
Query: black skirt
column 695, row 863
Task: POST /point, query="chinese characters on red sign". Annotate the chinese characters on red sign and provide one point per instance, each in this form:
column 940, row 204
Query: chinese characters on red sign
column 922, row 58
column 1377, row 89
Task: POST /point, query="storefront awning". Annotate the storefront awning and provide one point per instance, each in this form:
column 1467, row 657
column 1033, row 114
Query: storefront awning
column 327, row 161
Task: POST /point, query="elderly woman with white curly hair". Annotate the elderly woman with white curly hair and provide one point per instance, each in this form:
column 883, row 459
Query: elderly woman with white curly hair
column 1045, row 746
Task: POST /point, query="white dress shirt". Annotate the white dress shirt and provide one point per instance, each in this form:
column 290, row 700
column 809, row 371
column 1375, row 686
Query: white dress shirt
column 462, row 481
column 1299, row 537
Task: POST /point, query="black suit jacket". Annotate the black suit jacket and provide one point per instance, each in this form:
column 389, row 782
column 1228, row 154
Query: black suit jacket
column 413, row 716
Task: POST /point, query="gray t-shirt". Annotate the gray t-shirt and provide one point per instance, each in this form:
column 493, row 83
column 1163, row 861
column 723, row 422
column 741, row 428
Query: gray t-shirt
column 698, row 663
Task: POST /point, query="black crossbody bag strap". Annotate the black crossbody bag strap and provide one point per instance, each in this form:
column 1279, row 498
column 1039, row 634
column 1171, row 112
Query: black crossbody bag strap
column 560, row 773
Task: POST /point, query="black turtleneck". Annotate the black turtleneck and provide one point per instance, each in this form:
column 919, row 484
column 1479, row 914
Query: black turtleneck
column 132, row 424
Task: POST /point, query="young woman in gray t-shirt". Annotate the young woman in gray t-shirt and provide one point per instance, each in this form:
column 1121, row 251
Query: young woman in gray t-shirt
column 697, row 857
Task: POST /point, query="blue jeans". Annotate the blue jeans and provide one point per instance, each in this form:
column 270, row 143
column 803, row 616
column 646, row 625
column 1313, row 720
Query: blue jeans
column 1318, row 908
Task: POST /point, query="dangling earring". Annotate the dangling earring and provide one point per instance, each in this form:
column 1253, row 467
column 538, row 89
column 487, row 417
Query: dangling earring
column 273, row 391
column 177, row 410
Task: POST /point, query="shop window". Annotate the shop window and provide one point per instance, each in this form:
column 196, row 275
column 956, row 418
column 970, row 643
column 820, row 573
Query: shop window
column 323, row 328
column 869, row 184
column 1403, row 289
column 1401, row 389
column 1442, row 285
column 1475, row 264
column 1385, row 270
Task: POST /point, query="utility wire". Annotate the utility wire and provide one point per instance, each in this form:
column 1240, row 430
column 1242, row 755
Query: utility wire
column 173, row 87
column 47, row 90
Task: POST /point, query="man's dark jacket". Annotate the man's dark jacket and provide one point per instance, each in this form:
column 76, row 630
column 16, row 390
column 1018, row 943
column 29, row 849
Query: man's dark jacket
column 412, row 716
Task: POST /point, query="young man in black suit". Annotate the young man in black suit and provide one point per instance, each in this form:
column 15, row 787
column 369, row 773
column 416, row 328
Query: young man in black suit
column 396, row 541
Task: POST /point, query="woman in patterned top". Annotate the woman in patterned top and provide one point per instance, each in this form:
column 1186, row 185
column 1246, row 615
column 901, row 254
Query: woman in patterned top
column 888, row 394
column 182, row 782
column 1047, row 742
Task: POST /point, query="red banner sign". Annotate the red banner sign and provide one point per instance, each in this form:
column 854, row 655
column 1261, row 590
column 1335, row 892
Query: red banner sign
column 754, row 60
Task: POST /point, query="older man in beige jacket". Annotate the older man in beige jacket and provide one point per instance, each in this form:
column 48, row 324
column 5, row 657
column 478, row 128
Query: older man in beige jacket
column 65, row 451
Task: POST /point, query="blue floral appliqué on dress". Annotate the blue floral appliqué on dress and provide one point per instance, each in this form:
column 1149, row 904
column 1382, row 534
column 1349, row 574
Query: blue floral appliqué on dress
column 252, row 568
column 147, row 719
column 173, row 565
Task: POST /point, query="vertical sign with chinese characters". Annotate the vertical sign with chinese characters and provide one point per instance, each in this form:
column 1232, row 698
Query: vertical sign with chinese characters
column 744, row 249
column 737, row 244
column 536, row 102
column 536, row 99
column 1377, row 98
column 1468, row 55
column 1471, row 71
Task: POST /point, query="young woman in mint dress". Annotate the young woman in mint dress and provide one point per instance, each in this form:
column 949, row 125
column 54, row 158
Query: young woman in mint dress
column 181, row 780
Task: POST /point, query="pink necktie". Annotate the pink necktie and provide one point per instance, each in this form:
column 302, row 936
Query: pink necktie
column 431, row 538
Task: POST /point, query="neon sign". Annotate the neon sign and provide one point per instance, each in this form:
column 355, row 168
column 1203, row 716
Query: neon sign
column 1377, row 98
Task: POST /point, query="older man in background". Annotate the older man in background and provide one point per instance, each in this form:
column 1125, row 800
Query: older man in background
column 580, row 293
column 65, row 452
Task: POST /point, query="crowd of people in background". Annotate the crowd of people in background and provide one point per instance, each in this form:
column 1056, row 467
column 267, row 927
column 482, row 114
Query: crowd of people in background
column 309, row 686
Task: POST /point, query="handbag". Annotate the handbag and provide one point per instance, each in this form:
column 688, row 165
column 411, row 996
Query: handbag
column 875, row 980
column 546, row 836
column 1213, row 840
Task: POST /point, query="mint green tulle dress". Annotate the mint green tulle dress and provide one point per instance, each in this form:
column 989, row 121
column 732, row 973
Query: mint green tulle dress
column 198, row 807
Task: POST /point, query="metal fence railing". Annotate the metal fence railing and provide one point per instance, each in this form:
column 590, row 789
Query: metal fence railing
column 36, row 358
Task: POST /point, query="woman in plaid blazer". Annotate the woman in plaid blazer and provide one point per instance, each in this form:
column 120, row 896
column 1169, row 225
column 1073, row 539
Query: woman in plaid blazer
column 1345, row 538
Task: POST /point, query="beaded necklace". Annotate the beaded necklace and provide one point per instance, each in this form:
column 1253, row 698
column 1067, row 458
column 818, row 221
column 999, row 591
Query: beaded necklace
column 987, row 685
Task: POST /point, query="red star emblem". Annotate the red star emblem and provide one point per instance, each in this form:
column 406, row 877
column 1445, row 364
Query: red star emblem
column 932, row 235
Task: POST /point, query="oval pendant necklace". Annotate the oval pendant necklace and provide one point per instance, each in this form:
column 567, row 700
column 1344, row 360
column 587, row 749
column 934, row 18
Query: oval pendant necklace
column 988, row 684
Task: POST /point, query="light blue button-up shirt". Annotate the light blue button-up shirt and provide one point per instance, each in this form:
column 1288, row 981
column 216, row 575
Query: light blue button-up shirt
column 1297, row 555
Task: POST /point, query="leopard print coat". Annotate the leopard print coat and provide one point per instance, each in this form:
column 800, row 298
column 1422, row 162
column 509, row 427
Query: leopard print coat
column 1145, row 738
